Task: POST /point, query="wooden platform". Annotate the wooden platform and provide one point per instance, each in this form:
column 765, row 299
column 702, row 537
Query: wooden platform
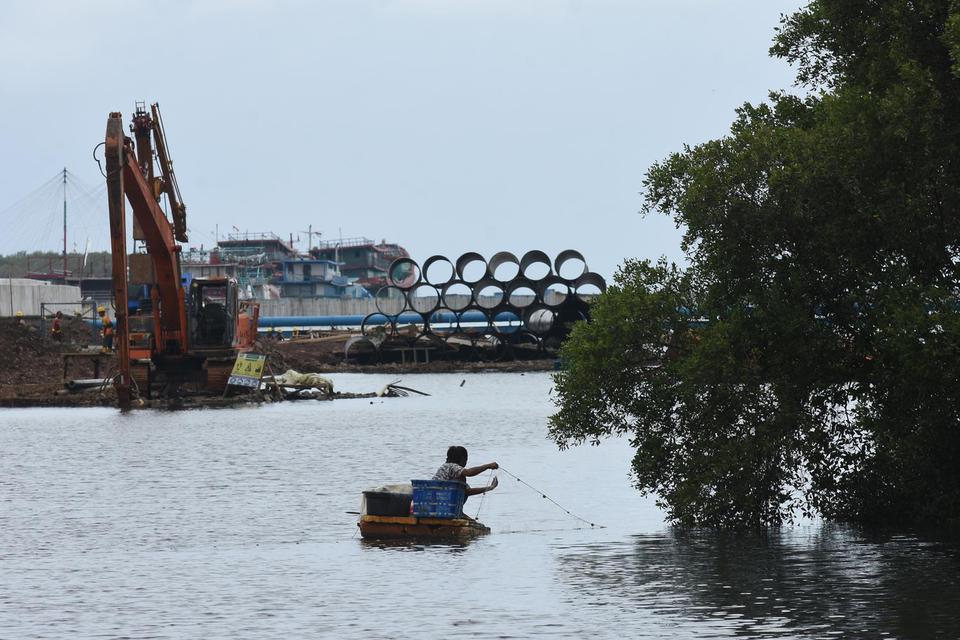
column 394, row 528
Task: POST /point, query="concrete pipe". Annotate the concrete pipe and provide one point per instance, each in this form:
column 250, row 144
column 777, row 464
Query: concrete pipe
column 403, row 273
column 570, row 265
column 391, row 300
column 504, row 267
column 410, row 330
column 438, row 271
column 535, row 265
column 506, row 322
column 589, row 286
column 474, row 320
column 488, row 294
column 524, row 343
column 521, row 293
column 471, row 267
column 423, row 298
column 441, row 321
column 457, row 295
column 376, row 323
column 539, row 319
column 553, row 291
column 490, row 347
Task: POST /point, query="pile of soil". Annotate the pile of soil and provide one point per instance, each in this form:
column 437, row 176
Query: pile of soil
column 32, row 357
column 29, row 356
column 305, row 354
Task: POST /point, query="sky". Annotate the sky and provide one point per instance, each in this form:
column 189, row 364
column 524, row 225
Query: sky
column 443, row 125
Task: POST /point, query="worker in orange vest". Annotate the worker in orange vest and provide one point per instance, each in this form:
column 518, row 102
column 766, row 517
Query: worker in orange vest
column 56, row 331
column 107, row 331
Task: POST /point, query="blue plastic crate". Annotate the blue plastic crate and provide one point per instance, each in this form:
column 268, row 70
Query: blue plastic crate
column 438, row 498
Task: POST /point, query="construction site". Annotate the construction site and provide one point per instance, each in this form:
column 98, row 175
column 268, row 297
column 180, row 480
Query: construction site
column 170, row 325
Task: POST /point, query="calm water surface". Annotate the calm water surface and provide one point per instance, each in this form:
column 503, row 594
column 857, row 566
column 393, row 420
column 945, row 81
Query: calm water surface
column 234, row 524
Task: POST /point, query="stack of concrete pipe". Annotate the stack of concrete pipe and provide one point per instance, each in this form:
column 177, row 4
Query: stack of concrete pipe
column 503, row 303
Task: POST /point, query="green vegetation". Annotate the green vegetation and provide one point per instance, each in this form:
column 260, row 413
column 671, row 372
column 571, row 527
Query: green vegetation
column 18, row 265
column 823, row 235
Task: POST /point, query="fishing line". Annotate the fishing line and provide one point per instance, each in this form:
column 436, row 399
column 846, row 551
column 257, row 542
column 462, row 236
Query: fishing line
column 484, row 494
column 545, row 496
column 499, row 532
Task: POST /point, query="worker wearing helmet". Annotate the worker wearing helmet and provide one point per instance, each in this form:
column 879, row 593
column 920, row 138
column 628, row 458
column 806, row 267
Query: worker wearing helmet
column 56, row 330
column 106, row 332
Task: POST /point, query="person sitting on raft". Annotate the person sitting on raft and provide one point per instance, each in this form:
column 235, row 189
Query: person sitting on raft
column 455, row 468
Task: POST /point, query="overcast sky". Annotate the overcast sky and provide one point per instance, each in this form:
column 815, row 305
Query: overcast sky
column 444, row 125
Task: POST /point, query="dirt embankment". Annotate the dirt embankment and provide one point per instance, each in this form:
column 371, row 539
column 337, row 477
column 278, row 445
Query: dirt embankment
column 33, row 372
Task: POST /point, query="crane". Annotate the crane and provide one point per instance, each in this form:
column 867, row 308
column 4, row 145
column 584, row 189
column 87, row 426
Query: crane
column 196, row 333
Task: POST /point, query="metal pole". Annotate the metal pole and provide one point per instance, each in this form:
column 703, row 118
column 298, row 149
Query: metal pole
column 64, row 225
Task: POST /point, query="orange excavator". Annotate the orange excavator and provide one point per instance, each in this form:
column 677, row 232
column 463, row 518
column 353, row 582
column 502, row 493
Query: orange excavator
column 194, row 334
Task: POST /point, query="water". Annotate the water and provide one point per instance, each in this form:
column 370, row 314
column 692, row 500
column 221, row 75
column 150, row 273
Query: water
column 233, row 524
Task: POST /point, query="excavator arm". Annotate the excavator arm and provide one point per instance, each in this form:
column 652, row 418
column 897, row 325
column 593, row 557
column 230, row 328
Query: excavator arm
column 113, row 151
column 125, row 178
column 168, row 183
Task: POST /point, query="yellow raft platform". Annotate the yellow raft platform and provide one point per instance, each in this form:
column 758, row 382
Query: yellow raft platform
column 411, row 527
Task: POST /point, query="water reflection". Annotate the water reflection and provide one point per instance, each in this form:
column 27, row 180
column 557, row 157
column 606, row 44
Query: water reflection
column 414, row 545
column 823, row 581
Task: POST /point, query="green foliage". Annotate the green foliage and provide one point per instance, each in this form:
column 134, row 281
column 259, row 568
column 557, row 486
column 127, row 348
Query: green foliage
column 823, row 236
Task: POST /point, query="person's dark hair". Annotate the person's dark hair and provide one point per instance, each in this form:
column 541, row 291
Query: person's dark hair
column 457, row 455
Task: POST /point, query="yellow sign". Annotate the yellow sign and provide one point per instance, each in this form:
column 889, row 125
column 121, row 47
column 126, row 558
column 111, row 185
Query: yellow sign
column 247, row 370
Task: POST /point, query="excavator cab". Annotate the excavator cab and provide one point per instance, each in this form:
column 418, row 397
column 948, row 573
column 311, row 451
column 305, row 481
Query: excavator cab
column 211, row 313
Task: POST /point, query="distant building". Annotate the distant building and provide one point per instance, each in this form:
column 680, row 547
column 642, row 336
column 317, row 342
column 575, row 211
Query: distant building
column 260, row 246
column 266, row 267
column 362, row 259
column 316, row 279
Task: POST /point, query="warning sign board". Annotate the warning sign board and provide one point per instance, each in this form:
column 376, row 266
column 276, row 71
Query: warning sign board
column 247, row 370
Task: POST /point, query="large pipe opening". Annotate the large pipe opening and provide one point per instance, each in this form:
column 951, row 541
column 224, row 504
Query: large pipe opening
column 423, row 298
column 376, row 325
column 535, row 265
column 570, row 265
column 438, row 271
column 390, row 300
column 504, row 267
column 521, row 293
column 471, row 267
column 457, row 295
column 410, row 328
column 404, row 273
column 488, row 294
column 553, row 291
column 441, row 321
column 474, row 321
column 589, row 286
column 539, row 319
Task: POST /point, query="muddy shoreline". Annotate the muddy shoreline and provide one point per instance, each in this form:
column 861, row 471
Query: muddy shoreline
column 39, row 367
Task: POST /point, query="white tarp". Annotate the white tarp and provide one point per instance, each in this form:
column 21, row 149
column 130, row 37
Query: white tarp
column 26, row 295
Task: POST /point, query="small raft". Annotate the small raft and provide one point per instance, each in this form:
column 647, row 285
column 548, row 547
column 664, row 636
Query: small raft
column 421, row 510
column 411, row 527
